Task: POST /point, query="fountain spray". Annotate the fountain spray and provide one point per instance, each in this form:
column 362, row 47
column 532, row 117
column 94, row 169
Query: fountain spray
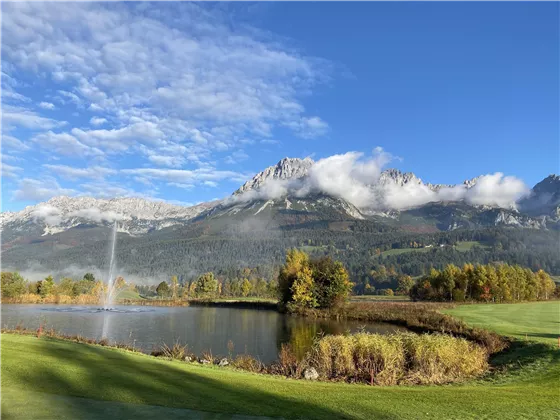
column 108, row 295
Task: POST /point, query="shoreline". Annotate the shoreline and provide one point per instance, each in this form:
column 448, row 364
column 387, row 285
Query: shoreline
column 225, row 303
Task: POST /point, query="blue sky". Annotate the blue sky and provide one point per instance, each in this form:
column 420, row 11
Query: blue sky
column 184, row 102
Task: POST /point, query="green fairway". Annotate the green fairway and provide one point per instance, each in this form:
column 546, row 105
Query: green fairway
column 539, row 321
column 50, row 378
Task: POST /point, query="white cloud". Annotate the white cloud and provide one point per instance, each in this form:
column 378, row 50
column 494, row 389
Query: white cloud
column 236, row 157
column 72, row 173
column 184, row 176
column 106, row 189
column 309, row 127
column 9, row 171
column 14, row 117
column 66, row 97
column 181, row 62
column 47, row 105
column 119, row 140
column 96, row 215
column 171, row 85
column 39, row 189
column 64, row 144
column 97, row 121
column 170, row 161
column 496, row 190
column 13, row 143
column 356, row 179
column 47, row 213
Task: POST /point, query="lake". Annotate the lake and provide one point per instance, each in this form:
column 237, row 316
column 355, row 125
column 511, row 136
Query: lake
column 259, row 333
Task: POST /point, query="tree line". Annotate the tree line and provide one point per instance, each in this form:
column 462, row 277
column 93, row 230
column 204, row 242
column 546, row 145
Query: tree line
column 352, row 243
column 486, row 283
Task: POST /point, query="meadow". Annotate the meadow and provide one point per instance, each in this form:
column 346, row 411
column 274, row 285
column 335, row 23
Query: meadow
column 55, row 378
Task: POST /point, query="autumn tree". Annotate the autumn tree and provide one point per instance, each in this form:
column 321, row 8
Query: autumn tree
column 317, row 283
column 13, row 285
column 206, row 285
column 405, row 283
column 174, row 287
column 246, row 287
column 163, row 289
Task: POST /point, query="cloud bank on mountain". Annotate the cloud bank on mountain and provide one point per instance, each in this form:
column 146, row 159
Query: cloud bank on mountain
column 360, row 180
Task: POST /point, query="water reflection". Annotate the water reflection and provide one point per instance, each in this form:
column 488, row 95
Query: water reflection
column 255, row 332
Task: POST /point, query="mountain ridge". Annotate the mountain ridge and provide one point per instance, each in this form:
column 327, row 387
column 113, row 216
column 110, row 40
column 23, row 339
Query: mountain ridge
column 139, row 216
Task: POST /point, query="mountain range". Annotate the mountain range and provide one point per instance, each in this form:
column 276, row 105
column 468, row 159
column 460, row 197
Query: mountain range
column 287, row 201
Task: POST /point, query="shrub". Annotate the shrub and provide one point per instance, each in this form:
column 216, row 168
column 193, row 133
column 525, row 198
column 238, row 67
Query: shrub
column 458, row 295
column 288, row 363
column 248, row 362
column 176, row 351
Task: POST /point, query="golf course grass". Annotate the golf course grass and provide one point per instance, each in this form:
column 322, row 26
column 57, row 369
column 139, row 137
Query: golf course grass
column 538, row 321
column 50, row 378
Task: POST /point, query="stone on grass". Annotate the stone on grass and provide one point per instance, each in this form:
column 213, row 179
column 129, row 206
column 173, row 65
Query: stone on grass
column 310, row 374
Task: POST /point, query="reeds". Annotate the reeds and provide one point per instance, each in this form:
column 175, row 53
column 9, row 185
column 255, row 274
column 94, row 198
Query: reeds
column 401, row 358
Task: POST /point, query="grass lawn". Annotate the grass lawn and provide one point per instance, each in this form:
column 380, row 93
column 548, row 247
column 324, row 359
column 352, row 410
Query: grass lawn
column 128, row 294
column 50, row 378
column 539, row 321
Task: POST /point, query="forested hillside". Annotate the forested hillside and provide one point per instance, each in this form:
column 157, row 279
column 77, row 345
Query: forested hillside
column 375, row 254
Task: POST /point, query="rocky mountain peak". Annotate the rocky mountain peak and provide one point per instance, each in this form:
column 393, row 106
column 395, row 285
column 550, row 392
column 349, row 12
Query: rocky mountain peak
column 397, row 177
column 134, row 215
column 551, row 184
column 287, row 168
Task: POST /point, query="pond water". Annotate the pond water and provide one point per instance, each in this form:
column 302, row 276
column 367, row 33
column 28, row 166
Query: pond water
column 259, row 333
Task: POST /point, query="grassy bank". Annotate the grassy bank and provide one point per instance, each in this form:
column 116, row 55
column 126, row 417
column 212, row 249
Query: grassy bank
column 49, row 378
column 418, row 317
column 242, row 303
column 95, row 382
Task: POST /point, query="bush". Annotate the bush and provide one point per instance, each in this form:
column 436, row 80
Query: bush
column 248, row 362
column 288, row 363
column 177, row 351
column 458, row 295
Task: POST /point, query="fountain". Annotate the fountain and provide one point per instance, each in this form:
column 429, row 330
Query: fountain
column 109, row 291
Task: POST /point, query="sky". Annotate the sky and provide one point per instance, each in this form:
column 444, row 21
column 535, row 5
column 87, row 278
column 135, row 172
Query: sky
column 184, row 102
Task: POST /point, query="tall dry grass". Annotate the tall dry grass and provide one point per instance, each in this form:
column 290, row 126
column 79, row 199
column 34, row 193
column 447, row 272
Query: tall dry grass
column 54, row 299
column 440, row 358
column 402, row 358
